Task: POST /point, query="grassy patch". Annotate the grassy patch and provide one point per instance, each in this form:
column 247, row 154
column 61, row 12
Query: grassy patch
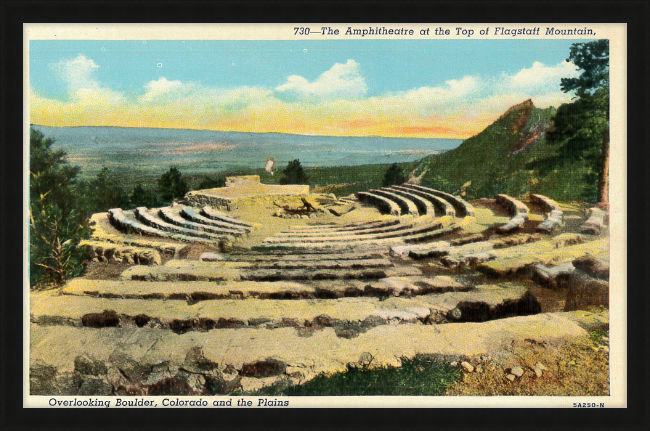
column 414, row 377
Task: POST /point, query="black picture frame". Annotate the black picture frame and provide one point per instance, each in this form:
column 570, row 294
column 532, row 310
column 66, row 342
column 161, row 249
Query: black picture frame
column 636, row 416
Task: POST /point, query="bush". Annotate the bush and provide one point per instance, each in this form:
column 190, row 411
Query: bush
column 211, row 183
column 143, row 197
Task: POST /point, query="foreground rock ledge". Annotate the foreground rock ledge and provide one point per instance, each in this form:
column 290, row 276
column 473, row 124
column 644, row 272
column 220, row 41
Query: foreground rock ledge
column 157, row 360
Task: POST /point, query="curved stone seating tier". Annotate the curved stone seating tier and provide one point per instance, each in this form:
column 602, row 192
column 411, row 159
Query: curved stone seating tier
column 345, row 227
column 125, row 224
column 143, row 215
column 517, row 208
column 216, row 215
column 378, row 230
column 553, row 221
column 191, row 214
column 406, row 205
column 444, row 207
column 513, row 205
column 383, row 204
column 595, row 223
column 463, row 208
column 514, row 223
column 167, row 215
column 406, row 230
column 547, row 203
column 424, row 206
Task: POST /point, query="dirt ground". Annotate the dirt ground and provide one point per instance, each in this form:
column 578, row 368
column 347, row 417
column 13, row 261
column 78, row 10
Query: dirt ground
column 568, row 368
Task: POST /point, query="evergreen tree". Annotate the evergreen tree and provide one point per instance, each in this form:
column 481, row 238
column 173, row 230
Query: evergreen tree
column 211, row 183
column 394, row 175
column 57, row 220
column 102, row 193
column 143, row 197
column 171, row 185
column 294, row 174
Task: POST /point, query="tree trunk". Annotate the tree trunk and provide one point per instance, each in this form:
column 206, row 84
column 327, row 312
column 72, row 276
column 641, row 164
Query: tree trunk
column 603, row 175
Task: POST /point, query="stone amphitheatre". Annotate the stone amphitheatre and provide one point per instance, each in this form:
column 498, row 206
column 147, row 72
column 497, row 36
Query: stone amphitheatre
column 252, row 285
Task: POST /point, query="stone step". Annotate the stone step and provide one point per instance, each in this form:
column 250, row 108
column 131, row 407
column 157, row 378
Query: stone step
column 186, row 270
column 444, row 207
column 543, row 252
column 167, row 215
column 463, row 208
column 555, row 276
column 143, row 215
column 594, row 265
column 323, row 264
column 407, row 206
column 424, row 206
column 253, row 258
column 142, row 360
column 192, row 214
column 51, row 308
column 195, row 291
column 385, row 205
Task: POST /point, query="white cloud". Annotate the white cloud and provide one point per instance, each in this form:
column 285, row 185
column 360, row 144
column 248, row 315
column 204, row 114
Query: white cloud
column 539, row 78
column 342, row 80
column 160, row 87
column 77, row 72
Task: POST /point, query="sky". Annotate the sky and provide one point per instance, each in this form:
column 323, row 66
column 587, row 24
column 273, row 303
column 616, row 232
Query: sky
column 396, row 88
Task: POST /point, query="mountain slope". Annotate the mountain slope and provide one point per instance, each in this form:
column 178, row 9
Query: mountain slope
column 501, row 159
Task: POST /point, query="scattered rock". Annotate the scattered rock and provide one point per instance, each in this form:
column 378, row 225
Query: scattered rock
column 511, row 377
column 454, row 364
column 170, row 386
column 211, row 257
column 517, row 371
column 467, row 366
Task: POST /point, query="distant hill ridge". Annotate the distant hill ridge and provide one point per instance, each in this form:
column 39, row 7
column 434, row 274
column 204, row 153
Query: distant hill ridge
column 501, row 159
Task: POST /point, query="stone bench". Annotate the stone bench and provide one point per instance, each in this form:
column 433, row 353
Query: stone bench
column 383, row 204
column 424, row 206
column 125, row 224
column 143, row 215
column 463, row 208
column 515, row 206
column 193, row 215
column 167, row 215
column 349, row 233
column 444, row 207
column 406, row 205
column 552, row 222
column 216, row 215
column 352, row 227
column 595, row 223
column 545, row 202
column 400, row 231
